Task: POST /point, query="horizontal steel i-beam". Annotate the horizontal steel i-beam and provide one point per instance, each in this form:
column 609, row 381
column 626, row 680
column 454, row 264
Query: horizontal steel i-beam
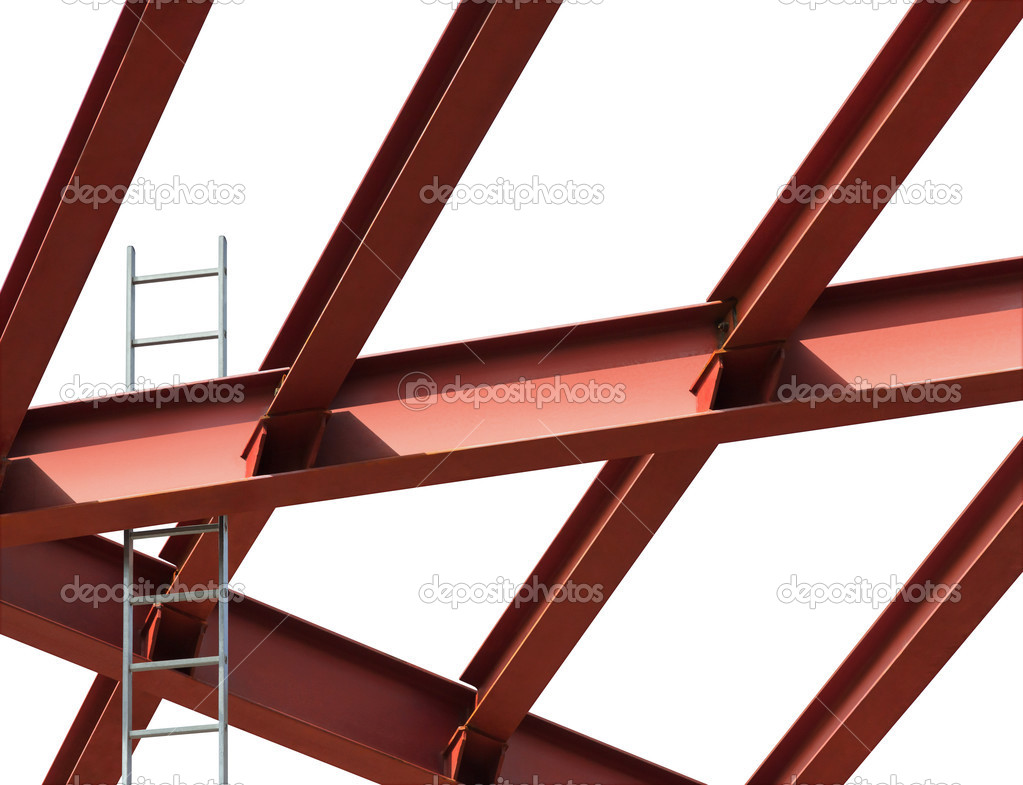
column 342, row 703
column 84, row 470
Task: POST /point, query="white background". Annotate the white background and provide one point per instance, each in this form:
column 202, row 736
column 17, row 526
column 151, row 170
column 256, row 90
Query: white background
column 691, row 115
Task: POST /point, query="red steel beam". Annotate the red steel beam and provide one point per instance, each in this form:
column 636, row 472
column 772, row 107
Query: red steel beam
column 64, row 766
column 63, row 170
column 436, row 77
column 463, row 86
column 80, row 470
column 342, row 703
column 117, row 140
column 916, row 82
column 436, row 140
column 866, row 140
column 606, row 533
column 91, row 752
column 981, row 555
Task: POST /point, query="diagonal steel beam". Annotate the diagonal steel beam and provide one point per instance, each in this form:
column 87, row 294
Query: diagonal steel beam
column 915, row 83
column 108, row 159
column 111, row 132
column 463, row 86
column 867, row 139
column 84, row 470
column 63, row 170
column 605, row 534
column 469, row 76
column 341, row 703
column 91, row 752
column 975, row 563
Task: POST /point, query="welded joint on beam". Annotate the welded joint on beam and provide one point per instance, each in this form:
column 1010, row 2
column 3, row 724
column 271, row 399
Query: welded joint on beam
column 739, row 377
column 285, row 442
column 170, row 633
column 474, row 757
column 727, row 322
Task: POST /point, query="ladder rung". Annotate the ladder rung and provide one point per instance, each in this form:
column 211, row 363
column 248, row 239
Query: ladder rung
column 164, row 340
column 175, row 531
column 184, row 275
column 186, row 730
column 184, row 596
column 164, row 665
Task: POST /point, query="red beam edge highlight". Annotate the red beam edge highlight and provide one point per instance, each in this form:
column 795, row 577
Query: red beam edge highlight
column 981, row 555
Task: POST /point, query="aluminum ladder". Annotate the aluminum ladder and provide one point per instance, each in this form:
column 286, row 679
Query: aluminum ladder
column 131, row 601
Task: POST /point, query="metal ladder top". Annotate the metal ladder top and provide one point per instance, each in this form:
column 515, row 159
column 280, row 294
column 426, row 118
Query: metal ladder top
column 220, row 334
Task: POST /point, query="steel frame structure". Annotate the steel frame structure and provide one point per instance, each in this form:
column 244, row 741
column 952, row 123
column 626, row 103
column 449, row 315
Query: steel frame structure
column 335, row 426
